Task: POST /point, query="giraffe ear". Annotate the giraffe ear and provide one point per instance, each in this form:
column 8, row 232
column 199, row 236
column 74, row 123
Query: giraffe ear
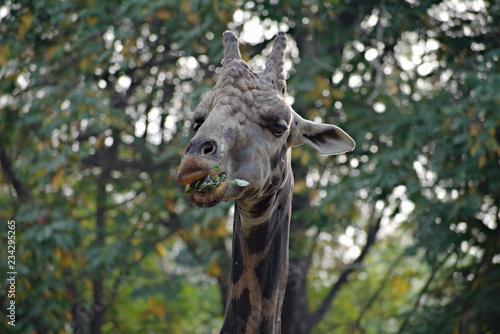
column 326, row 139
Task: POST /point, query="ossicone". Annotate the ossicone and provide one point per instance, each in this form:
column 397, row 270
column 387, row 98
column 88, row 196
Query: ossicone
column 231, row 47
column 276, row 61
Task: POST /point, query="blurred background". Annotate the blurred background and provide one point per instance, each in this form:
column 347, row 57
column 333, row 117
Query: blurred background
column 399, row 236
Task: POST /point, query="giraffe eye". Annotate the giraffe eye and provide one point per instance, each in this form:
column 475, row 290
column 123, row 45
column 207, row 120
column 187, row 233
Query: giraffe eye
column 197, row 124
column 278, row 128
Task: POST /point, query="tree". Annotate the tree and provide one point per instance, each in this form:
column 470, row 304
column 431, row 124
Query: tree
column 417, row 97
column 92, row 95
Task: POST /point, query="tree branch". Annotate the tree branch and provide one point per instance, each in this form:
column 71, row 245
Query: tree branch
column 112, row 163
column 421, row 294
column 98, row 306
column 373, row 298
column 323, row 308
column 19, row 187
column 378, row 66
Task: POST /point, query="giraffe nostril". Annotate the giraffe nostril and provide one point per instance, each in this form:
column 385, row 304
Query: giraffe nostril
column 202, row 147
column 208, row 148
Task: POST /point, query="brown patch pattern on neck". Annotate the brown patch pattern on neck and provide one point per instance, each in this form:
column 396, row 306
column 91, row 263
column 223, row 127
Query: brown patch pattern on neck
column 260, row 269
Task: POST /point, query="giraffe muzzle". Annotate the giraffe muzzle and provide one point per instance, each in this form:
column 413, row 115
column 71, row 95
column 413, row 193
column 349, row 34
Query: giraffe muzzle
column 193, row 169
column 203, row 184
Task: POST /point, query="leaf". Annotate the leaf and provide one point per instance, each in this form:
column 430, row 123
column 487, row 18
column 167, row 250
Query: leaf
column 163, row 14
column 58, row 179
column 157, row 308
column 4, row 55
column 482, row 161
column 25, row 24
column 214, row 269
column 241, row 183
column 160, row 249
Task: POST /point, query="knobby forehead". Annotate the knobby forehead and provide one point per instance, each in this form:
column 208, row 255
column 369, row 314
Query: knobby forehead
column 243, row 94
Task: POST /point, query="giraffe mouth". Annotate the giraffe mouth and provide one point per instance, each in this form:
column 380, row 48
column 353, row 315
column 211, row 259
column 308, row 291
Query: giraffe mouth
column 207, row 191
column 204, row 183
column 207, row 184
column 205, row 188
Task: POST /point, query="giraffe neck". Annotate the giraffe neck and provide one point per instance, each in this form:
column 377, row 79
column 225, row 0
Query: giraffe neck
column 259, row 264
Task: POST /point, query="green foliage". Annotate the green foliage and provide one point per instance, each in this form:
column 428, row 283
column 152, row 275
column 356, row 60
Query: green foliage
column 87, row 88
column 399, row 236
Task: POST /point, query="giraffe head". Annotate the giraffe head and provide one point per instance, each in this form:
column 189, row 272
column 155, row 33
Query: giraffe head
column 245, row 129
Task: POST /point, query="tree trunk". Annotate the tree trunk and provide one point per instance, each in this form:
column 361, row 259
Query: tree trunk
column 98, row 306
column 295, row 313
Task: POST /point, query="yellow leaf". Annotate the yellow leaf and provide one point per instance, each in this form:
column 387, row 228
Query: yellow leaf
column 26, row 283
column 224, row 15
column 475, row 129
column 321, row 85
column 318, row 23
column 25, row 24
column 67, row 259
column 184, row 234
column 492, row 132
column 186, row 6
column 91, row 19
column 338, row 94
column 300, row 186
column 214, row 269
column 58, row 179
column 49, row 53
column 40, row 146
column 474, row 148
column 221, row 230
column 161, row 249
column 482, row 161
column 157, row 308
column 85, row 63
column 425, row 19
column 137, row 255
column 400, row 285
column 99, row 142
column 305, row 157
column 57, row 253
column 193, row 17
column 206, row 233
column 170, row 204
column 4, row 55
column 163, row 14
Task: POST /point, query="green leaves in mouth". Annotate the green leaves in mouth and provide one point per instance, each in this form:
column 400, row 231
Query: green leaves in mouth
column 208, row 183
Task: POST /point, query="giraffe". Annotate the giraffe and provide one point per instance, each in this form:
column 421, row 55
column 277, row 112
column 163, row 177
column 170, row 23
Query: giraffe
column 244, row 130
